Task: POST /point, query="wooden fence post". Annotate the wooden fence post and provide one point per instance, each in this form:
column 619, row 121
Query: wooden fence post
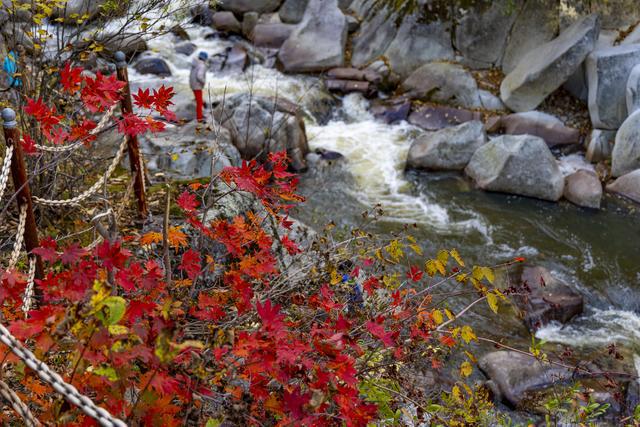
column 137, row 169
column 21, row 185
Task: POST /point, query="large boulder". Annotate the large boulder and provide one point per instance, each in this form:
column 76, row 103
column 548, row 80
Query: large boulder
column 546, row 68
column 226, row 22
column 131, row 44
column 292, row 11
column 242, row 6
column 600, row 145
column 627, row 185
column 537, row 123
column 259, row 125
column 271, row 35
column 443, row 82
column 519, row 164
column 535, row 25
column 512, row 375
column 391, row 111
column 186, row 48
column 633, row 90
column 425, row 41
column 78, row 11
column 319, row 41
column 608, row 71
column 153, row 65
column 583, row 188
column 626, row 150
column 436, row 117
column 633, row 37
column 373, row 38
column 447, row 149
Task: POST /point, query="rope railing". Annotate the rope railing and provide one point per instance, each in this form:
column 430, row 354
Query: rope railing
column 17, row 245
column 27, row 300
column 18, row 406
column 6, row 168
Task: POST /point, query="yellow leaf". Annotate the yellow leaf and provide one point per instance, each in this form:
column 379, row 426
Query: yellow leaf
column 488, row 273
column 417, row 249
column 175, row 157
column 118, row 330
column 443, row 257
column 466, row 369
column 492, row 300
column 471, row 356
column 477, row 273
column 430, row 267
column 440, row 266
column 456, row 393
column 394, row 249
column 335, row 278
column 449, row 314
column 461, row 278
column 437, row 317
column 456, row 256
column 467, row 334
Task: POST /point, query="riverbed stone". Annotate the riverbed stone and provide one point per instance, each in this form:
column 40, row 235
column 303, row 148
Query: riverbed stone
column 447, row 149
column 546, row 126
column 271, row 35
column 490, row 102
column 583, row 188
column 373, row 38
column 546, row 68
column 185, row 48
column 505, row 165
column 242, row 6
column 391, row 111
column 436, row 117
column 627, row 185
column 443, row 82
column 259, row 125
column 600, row 145
column 512, row 375
column 608, row 71
column 318, row 43
column 633, row 90
column 153, row 65
column 226, row 22
column 633, row 37
column 292, row 11
column 626, row 151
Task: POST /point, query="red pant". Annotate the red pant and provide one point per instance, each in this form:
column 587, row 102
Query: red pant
column 199, row 105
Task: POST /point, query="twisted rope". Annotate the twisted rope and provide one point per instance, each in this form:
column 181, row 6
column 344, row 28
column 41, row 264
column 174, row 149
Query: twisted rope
column 28, row 291
column 6, row 167
column 17, row 405
column 45, row 373
column 99, row 128
column 94, row 189
column 17, row 245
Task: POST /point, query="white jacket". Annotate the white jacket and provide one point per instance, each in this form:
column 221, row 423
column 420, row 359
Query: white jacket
column 198, row 76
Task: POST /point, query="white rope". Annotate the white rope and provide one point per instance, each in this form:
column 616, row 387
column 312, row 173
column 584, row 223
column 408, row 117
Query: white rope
column 28, row 291
column 18, row 405
column 47, row 375
column 99, row 128
column 6, row 167
column 17, row 245
column 91, row 191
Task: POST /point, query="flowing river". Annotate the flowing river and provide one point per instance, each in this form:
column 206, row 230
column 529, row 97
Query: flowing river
column 595, row 252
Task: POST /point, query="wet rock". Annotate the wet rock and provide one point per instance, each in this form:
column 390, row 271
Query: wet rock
column 226, row 22
column 600, row 145
column 389, row 80
column 583, row 188
column 547, row 67
column 201, row 14
column 513, row 374
column 157, row 66
column 354, row 74
column 185, row 48
column 392, row 111
column 447, row 149
column 443, row 82
column 372, row 39
column 537, row 123
column 319, row 41
column 626, row 150
column 608, row 71
column 436, row 117
column 180, row 33
column 633, row 90
column 627, row 185
column 535, row 25
column 482, row 32
column 352, row 24
column 260, row 125
column 271, row 35
column 237, row 59
column 426, row 42
column 15, row 35
column 350, row 86
column 242, row 6
column 505, row 165
column 74, row 9
column 292, row 11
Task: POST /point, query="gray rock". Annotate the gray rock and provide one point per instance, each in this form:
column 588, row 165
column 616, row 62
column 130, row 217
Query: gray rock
column 391, row 111
column 607, row 75
column 354, row 74
column 426, row 42
column 271, row 35
column 600, row 145
column 536, row 24
column 547, row 67
column 353, row 24
column 537, row 123
column 242, row 6
column 292, row 11
column 481, row 34
column 447, row 149
column 131, row 44
column 350, row 86
column 438, row 117
column 583, row 188
column 186, row 48
column 490, row 102
column 372, row 40
column 75, row 9
column 633, row 37
column 319, row 42
column 505, row 165
column 626, row 151
column 226, row 22
column 260, row 125
column 249, row 22
column 514, row 374
column 443, row 82
column 633, row 90
column 152, row 65
column 627, row 185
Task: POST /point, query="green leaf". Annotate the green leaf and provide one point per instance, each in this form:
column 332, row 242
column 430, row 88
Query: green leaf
column 108, row 372
column 117, row 306
column 213, row 423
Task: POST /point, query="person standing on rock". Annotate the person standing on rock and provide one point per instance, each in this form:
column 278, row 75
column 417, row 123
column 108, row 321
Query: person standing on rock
column 197, row 80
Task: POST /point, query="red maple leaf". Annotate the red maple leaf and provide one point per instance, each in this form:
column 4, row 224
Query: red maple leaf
column 415, row 274
column 191, row 263
column 28, row 145
column 187, row 201
column 377, row 330
column 72, row 254
column 71, row 78
column 143, row 98
column 162, row 98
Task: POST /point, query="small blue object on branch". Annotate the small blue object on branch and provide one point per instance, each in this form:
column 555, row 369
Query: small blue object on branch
column 10, row 66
